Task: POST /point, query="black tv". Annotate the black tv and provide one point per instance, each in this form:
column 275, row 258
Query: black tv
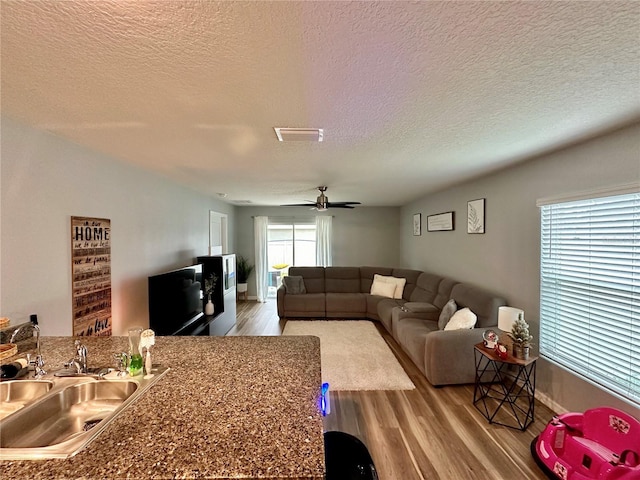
column 175, row 300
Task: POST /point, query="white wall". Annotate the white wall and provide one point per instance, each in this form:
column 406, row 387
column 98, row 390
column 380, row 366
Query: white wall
column 362, row 236
column 156, row 225
column 506, row 259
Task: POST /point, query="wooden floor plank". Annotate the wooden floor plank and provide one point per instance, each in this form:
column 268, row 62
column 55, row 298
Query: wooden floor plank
column 426, row 433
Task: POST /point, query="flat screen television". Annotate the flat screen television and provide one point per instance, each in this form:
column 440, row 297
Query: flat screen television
column 175, row 300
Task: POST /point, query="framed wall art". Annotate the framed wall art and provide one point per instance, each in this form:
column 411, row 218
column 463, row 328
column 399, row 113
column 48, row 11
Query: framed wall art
column 417, row 224
column 475, row 216
column 91, row 276
column 440, row 222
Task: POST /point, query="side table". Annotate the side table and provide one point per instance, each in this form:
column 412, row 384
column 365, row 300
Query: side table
column 504, row 388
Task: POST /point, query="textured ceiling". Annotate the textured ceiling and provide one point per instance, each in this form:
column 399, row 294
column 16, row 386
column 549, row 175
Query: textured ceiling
column 413, row 96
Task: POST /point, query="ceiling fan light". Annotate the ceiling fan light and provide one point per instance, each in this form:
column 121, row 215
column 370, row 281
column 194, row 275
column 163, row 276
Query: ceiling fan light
column 286, row 134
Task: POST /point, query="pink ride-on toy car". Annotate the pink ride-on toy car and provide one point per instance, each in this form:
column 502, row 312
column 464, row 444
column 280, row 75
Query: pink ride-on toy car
column 601, row 443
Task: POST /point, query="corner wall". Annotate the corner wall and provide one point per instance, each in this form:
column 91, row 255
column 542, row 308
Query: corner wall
column 156, row 225
column 506, row 259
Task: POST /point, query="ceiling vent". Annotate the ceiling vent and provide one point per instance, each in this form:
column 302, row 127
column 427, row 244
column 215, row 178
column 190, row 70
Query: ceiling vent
column 299, row 134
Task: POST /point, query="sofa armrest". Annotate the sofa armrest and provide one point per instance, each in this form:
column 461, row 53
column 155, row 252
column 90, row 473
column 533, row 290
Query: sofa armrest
column 449, row 356
column 425, row 311
column 281, row 292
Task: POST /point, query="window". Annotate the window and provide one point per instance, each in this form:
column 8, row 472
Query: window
column 590, row 290
column 289, row 243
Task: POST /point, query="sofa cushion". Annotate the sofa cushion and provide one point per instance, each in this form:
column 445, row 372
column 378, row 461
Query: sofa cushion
column 313, row 278
column 294, row 285
column 426, row 288
column 372, row 306
column 411, row 276
column 346, row 305
column 383, row 289
column 446, row 313
column 398, row 283
column 461, row 320
column 342, row 279
column 367, row 274
column 411, row 334
column 310, row 305
column 419, row 307
column 385, row 308
column 484, row 304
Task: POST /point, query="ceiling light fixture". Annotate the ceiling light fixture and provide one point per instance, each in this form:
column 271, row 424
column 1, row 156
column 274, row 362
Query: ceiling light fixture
column 286, row 134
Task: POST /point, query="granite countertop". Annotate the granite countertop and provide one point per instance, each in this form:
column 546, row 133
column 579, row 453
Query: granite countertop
column 230, row 407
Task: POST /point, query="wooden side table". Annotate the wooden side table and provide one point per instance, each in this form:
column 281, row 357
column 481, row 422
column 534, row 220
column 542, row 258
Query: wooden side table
column 505, row 388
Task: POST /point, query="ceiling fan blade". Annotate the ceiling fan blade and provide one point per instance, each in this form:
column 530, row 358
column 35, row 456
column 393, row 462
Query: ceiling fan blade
column 310, row 204
column 336, row 204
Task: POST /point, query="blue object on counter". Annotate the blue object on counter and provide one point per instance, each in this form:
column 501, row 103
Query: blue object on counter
column 325, row 407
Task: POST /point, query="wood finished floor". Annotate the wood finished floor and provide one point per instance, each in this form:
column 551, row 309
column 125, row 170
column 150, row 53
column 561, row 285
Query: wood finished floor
column 426, row 433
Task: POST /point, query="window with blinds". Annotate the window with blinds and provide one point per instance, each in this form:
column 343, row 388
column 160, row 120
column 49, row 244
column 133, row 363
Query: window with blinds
column 590, row 290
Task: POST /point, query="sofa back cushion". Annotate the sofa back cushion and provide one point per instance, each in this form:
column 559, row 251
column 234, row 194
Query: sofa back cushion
column 412, row 278
column 366, row 276
column 444, row 292
column 313, row 278
column 342, row 279
column 484, row 304
column 426, row 288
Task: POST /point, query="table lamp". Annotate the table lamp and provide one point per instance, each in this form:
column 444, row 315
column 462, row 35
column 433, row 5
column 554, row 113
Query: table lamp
column 507, row 316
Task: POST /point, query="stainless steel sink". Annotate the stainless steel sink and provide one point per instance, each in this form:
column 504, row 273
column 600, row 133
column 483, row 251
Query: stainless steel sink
column 69, row 416
column 15, row 394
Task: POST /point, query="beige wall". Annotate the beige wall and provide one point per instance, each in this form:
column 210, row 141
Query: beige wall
column 362, row 236
column 156, row 225
column 506, row 258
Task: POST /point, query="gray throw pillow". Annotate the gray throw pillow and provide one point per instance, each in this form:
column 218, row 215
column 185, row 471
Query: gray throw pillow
column 447, row 312
column 294, row 285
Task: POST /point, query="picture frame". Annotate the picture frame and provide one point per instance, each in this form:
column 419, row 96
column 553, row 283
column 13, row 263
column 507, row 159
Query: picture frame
column 417, row 224
column 476, row 216
column 440, row 222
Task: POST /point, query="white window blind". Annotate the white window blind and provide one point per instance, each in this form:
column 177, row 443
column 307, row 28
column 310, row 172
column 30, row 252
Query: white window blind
column 590, row 290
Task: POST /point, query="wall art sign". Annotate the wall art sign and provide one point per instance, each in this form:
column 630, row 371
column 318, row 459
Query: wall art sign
column 417, row 224
column 91, row 276
column 475, row 216
column 440, row 222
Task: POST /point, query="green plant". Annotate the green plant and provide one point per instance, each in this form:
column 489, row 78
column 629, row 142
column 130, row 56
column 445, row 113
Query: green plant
column 210, row 285
column 243, row 269
column 520, row 332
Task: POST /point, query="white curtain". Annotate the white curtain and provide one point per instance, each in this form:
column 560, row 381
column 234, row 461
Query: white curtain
column 260, row 225
column 323, row 240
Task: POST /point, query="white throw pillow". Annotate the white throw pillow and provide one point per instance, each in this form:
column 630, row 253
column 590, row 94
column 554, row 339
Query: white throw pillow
column 462, row 319
column 383, row 289
column 399, row 283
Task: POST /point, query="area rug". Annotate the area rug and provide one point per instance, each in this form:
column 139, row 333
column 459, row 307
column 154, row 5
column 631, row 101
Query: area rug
column 354, row 356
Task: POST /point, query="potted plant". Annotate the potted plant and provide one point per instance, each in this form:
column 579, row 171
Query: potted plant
column 209, row 287
column 243, row 270
column 521, row 338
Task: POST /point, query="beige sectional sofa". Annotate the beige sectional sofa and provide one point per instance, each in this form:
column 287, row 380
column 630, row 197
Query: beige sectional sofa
column 444, row 356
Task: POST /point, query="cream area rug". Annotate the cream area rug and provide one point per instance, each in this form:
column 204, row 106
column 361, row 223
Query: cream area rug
column 354, row 356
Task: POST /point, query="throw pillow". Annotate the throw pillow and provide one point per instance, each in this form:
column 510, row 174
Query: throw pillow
column 461, row 320
column 398, row 282
column 294, row 285
column 447, row 312
column 383, row 289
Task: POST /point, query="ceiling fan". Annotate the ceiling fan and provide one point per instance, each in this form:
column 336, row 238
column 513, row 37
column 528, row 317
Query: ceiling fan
column 322, row 203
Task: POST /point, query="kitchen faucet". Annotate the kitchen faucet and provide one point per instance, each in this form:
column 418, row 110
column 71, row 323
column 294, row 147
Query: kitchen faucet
column 79, row 362
column 38, row 361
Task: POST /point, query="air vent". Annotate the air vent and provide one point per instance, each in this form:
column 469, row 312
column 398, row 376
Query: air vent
column 286, row 134
column 242, row 202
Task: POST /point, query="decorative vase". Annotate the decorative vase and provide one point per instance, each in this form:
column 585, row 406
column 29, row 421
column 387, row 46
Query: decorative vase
column 208, row 308
column 521, row 352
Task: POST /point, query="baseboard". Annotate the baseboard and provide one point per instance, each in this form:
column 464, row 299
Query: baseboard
column 553, row 405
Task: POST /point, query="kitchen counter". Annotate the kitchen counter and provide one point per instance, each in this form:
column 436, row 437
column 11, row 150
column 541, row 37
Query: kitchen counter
column 230, row 407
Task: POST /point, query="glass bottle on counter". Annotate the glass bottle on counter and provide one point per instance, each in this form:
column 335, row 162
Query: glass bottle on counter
column 135, row 357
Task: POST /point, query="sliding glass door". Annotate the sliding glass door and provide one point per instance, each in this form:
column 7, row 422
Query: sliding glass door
column 289, row 243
